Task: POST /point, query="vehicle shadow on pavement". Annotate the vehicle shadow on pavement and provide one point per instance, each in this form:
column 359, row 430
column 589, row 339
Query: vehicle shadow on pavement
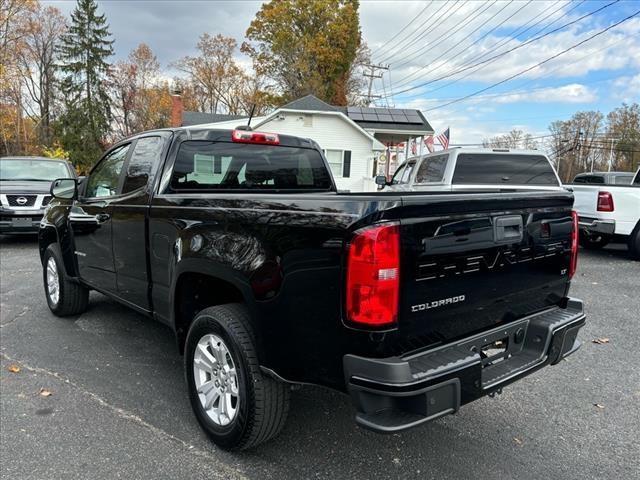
column 612, row 250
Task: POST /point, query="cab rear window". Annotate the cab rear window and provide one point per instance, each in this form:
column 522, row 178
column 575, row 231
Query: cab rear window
column 503, row 169
column 212, row 166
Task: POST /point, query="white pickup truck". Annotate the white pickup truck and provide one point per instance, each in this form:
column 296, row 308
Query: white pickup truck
column 606, row 212
column 460, row 169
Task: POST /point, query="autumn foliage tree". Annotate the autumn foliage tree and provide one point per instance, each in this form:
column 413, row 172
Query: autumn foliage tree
column 16, row 132
column 216, row 83
column 306, row 46
column 140, row 99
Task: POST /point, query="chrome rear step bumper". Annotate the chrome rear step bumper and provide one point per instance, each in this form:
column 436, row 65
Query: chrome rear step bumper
column 396, row 393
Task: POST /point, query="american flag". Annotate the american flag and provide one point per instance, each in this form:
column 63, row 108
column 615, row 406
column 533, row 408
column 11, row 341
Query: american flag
column 429, row 143
column 443, row 138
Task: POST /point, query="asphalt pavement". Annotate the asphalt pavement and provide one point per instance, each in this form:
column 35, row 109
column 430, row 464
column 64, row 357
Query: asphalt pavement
column 102, row 395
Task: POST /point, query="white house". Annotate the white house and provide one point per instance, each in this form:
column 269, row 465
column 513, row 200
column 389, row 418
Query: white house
column 353, row 138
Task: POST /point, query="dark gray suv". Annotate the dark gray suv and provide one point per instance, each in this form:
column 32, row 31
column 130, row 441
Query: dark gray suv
column 24, row 190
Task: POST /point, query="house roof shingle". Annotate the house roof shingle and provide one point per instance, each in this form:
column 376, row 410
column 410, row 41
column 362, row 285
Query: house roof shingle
column 197, row 118
column 310, row 102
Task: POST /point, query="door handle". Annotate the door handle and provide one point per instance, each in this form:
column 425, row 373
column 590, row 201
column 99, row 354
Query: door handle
column 102, row 217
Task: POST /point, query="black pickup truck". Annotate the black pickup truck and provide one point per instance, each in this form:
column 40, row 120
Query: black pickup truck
column 412, row 303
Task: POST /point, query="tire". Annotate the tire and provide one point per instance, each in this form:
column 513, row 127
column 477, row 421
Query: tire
column 594, row 241
column 72, row 298
column 261, row 402
column 634, row 243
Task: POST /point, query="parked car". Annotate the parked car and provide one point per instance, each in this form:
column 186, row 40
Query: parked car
column 605, row 178
column 412, row 303
column 24, row 190
column 459, row 169
column 609, row 212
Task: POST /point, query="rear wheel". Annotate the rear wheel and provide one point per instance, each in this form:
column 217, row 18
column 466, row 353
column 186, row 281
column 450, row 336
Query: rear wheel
column 234, row 402
column 594, row 240
column 64, row 296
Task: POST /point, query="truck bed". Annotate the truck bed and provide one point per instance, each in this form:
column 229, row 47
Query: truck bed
column 461, row 272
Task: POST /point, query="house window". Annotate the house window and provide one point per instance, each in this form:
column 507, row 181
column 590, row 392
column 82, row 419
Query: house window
column 334, row 157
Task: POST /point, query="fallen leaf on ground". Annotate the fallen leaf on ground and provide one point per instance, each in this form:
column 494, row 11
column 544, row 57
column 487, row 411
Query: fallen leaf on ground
column 45, row 393
column 598, row 405
column 517, row 440
column 600, row 341
column 14, row 368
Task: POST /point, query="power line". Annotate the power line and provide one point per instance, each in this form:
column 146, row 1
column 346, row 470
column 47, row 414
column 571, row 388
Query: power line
column 402, row 30
column 414, row 32
column 538, row 64
column 560, row 67
column 434, row 25
column 528, row 42
column 508, row 38
column 472, row 16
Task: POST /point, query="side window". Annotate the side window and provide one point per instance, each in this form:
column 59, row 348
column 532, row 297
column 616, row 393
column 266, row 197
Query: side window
column 146, row 155
column 406, row 175
column 579, row 180
column 432, row 169
column 104, row 180
column 595, row 179
column 622, row 179
column 398, row 175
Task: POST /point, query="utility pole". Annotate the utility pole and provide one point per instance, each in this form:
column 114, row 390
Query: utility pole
column 371, row 75
column 610, row 156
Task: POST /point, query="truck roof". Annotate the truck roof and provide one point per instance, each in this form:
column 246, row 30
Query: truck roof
column 224, row 134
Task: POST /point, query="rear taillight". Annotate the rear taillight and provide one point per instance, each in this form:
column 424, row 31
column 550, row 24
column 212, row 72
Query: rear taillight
column 605, row 202
column 373, row 277
column 573, row 263
column 247, row 136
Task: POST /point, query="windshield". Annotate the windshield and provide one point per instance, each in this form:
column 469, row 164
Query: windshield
column 32, row 169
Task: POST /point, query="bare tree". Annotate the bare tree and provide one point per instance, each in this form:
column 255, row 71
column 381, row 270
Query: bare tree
column 38, row 67
column 623, row 137
column 514, row 139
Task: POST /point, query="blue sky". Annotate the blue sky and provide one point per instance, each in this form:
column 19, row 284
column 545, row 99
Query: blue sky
column 443, row 38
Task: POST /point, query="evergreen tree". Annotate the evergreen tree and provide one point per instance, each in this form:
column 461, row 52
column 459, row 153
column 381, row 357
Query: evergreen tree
column 84, row 52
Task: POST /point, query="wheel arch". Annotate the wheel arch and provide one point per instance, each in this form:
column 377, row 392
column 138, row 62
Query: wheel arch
column 196, row 289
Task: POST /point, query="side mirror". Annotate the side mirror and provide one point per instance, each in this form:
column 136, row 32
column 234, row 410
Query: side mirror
column 65, row 188
column 381, row 180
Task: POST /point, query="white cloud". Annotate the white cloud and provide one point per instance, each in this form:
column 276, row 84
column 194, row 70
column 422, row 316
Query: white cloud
column 627, row 89
column 572, row 93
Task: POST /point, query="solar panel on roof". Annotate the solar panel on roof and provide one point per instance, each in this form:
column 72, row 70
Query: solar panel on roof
column 399, row 118
column 409, row 112
column 368, row 110
column 354, row 110
column 356, row 116
column 385, row 118
column 370, row 117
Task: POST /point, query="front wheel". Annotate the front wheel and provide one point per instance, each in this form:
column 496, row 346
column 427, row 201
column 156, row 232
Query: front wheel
column 234, row 402
column 594, row 241
column 64, row 296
